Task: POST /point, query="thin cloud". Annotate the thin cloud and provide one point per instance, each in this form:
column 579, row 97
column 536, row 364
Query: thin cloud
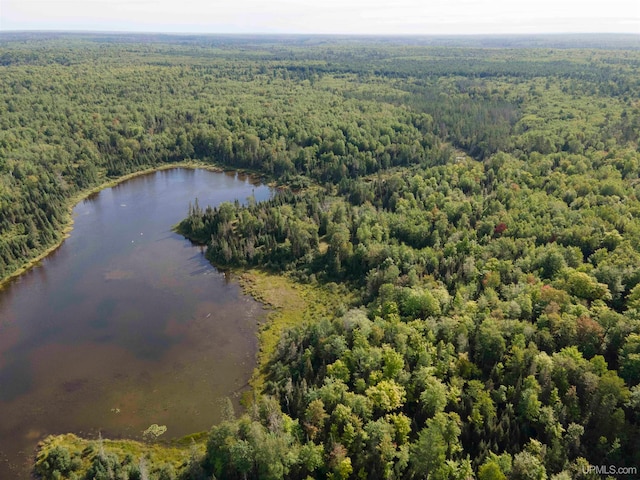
column 329, row 16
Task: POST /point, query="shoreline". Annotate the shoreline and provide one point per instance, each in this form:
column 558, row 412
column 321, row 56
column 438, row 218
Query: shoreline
column 84, row 194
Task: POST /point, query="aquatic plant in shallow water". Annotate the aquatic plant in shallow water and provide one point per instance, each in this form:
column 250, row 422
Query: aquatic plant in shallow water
column 154, row 431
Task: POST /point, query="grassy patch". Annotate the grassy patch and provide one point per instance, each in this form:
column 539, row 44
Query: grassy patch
column 292, row 303
column 174, row 456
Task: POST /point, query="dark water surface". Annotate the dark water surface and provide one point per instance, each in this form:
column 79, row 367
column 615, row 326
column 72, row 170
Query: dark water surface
column 126, row 324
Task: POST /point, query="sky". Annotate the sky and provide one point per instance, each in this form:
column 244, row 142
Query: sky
column 426, row 17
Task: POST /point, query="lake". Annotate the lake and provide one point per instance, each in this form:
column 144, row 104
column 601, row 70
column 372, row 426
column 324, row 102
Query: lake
column 126, row 324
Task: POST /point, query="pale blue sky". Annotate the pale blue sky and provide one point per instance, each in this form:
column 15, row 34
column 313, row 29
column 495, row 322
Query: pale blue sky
column 327, row 16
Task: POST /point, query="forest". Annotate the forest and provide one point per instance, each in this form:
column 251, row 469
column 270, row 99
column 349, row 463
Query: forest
column 478, row 197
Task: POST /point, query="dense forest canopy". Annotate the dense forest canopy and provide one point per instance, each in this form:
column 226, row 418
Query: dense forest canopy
column 478, row 196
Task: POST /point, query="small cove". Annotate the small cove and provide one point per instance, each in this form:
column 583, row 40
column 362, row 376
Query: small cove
column 126, row 324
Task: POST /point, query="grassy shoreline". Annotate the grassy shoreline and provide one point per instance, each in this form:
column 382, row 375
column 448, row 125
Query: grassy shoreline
column 292, row 303
column 174, row 456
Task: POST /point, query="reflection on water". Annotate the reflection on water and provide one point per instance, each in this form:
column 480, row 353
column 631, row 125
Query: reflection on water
column 126, row 324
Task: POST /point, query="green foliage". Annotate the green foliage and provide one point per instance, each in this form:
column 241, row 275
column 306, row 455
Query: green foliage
column 497, row 333
column 154, row 431
column 386, row 395
column 491, row 471
column 268, row 446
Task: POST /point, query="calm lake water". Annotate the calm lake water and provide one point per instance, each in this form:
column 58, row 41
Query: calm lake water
column 126, row 324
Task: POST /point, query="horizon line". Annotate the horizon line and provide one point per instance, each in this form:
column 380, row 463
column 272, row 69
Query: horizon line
column 326, row 34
